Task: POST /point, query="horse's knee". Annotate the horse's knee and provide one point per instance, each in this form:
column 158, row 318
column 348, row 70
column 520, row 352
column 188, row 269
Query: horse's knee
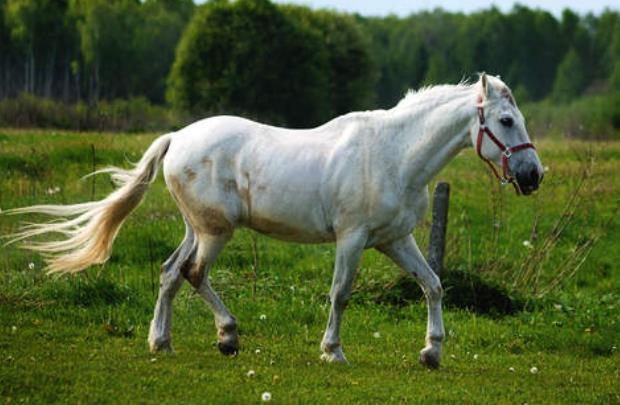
column 168, row 283
column 434, row 291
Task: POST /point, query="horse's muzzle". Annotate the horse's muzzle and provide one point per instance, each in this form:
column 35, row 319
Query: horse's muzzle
column 529, row 178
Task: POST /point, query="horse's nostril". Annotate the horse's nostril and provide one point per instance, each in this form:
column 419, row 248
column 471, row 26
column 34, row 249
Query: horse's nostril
column 534, row 176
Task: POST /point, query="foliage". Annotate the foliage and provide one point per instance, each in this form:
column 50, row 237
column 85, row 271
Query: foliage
column 76, row 49
column 131, row 115
column 570, row 79
column 614, row 56
column 292, row 65
column 349, row 68
column 63, row 338
column 588, row 117
column 240, row 69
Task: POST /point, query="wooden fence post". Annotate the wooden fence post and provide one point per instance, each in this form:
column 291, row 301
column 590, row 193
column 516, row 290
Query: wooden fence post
column 437, row 242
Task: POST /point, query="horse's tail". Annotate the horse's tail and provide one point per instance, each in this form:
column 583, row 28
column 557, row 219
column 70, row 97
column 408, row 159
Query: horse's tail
column 90, row 228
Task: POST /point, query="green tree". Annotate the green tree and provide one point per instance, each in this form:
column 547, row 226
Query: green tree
column 247, row 57
column 106, row 43
column 536, row 46
column 154, row 43
column 346, row 62
column 613, row 56
column 570, row 79
column 7, row 51
column 38, row 29
column 603, row 29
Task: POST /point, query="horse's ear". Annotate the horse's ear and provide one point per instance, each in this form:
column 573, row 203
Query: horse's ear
column 487, row 89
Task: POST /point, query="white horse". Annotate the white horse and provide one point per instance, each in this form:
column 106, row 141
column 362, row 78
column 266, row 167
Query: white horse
column 361, row 180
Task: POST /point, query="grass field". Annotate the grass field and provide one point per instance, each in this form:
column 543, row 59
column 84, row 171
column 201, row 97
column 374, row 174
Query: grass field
column 83, row 338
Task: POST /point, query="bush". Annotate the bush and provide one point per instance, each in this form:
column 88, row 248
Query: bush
column 591, row 117
column 283, row 65
column 132, row 115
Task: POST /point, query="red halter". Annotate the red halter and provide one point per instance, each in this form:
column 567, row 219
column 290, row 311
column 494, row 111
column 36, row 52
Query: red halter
column 507, row 151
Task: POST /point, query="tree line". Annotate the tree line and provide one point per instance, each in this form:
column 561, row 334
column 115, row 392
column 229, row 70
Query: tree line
column 75, row 50
column 288, row 64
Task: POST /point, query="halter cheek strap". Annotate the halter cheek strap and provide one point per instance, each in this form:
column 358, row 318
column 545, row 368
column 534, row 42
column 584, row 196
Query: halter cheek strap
column 507, row 151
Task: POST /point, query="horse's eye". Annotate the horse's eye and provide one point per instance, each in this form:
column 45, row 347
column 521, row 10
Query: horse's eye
column 506, row 121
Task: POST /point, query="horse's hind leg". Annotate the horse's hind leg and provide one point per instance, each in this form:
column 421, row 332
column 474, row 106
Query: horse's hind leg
column 170, row 282
column 209, row 247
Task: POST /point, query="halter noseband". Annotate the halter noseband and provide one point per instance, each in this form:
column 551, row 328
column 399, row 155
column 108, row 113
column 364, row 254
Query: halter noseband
column 507, row 151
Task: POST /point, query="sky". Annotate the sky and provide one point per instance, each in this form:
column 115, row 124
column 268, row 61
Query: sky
column 406, row 7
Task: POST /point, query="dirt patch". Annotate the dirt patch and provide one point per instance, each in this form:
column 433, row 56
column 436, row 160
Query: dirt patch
column 189, row 173
column 213, row 222
column 271, row 227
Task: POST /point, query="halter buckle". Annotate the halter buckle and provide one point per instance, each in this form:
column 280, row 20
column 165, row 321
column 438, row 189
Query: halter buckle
column 507, row 153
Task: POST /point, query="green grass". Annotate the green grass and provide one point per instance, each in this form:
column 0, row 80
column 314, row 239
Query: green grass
column 83, row 338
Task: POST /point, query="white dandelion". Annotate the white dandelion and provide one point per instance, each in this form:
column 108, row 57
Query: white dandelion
column 262, row 317
column 528, row 244
column 266, row 396
column 251, row 373
column 534, row 370
column 31, row 266
column 376, row 335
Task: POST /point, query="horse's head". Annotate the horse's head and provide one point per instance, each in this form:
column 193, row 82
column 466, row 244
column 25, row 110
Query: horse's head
column 500, row 136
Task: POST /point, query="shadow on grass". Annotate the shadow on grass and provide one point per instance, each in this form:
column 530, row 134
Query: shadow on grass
column 89, row 293
column 463, row 290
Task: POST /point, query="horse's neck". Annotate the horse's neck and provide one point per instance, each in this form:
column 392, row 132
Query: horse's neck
column 433, row 133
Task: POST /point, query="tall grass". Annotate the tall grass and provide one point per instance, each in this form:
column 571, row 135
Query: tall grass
column 131, row 115
column 588, row 117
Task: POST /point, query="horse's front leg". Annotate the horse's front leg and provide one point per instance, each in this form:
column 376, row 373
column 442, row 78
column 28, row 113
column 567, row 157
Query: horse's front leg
column 406, row 254
column 349, row 249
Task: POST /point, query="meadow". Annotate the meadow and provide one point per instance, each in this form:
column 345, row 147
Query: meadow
column 552, row 257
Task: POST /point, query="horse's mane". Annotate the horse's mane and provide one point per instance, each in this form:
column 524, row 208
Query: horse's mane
column 436, row 93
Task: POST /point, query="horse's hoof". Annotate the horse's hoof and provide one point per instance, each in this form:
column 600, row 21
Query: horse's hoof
column 429, row 357
column 228, row 349
column 336, row 356
column 164, row 346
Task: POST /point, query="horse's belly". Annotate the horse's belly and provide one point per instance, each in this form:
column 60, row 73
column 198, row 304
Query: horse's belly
column 290, row 233
column 290, row 216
